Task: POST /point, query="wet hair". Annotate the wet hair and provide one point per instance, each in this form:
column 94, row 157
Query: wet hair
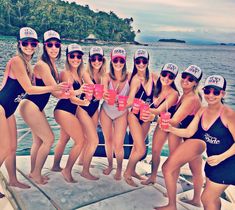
column 124, row 72
column 158, row 88
column 79, row 69
column 102, row 69
column 45, row 57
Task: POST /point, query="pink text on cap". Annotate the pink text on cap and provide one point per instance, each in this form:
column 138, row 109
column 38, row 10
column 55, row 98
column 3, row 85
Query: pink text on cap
column 141, row 53
column 96, row 50
column 27, row 32
column 118, row 52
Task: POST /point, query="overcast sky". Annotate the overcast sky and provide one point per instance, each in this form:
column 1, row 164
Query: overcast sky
column 182, row 19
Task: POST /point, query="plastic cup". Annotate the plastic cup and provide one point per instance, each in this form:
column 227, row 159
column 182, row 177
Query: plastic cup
column 143, row 108
column 136, row 106
column 122, row 102
column 98, row 91
column 89, row 89
column 112, row 97
column 165, row 118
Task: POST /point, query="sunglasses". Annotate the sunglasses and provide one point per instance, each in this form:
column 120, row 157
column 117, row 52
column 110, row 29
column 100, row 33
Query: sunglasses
column 120, row 60
column 207, row 91
column 27, row 43
column 168, row 74
column 141, row 60
column 98, row 58
column 51, row 44
column 72, row 56
column 189, row 78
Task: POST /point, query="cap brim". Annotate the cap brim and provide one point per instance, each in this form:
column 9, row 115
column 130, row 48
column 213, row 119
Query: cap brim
column 96, row 54
column 118, row 56
column 213, row 86
column 195, row 78
column 141, row 57
column 73, row 51
column 52, row 38
column 169, row 72
column 29, row 38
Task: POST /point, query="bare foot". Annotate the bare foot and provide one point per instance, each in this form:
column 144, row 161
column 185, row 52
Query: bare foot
column 38, row 179
column 46, row 178
column 107, row 171
column 56, row 169
column 129, row 180
column 68, row 176
column 167, row 207
column 2, row 195
column 137, row 176
column 149, row 181
column 118, row 175
column 191, row 202
column 89, row 176
column 19, row 185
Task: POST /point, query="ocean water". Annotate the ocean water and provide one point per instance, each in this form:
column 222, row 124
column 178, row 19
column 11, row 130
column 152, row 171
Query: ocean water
column 212, row 59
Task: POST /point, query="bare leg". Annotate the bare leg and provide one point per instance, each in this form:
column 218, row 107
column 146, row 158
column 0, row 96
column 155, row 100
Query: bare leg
column 139, row 133
column 159, row 138
column 171, row 167
column 11, row 159
column 120, row 125
column 73, row 129
column 59, row 149
column 107, row 126
column 211, row 195
column 93, row 140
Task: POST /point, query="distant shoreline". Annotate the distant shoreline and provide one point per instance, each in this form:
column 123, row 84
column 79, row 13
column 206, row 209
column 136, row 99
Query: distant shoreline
column 172, row 40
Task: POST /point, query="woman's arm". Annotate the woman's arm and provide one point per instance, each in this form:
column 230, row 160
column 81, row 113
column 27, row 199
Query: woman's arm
column 19, row 71
column 135, row 85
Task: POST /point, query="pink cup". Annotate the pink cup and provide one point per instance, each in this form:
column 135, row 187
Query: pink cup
column 112, row 97
column 98, row 91
column 89, row 89
column 122, row 102
column 136, row 106
column 165, row 118
column 143, row 108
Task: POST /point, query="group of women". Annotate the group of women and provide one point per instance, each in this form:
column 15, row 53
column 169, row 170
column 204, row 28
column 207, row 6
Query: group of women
column 191, row 129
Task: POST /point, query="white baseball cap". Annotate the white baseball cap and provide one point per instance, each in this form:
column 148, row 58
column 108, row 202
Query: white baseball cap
column 74, row 48
column 194, row 71
column 118, row 52
column 28, row 33
column 215, row 81
column 51, row 34
column 96, row 51
column 170, row 67
column 141, row 53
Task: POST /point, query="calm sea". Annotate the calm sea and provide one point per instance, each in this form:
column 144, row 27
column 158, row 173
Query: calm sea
column 211, row 59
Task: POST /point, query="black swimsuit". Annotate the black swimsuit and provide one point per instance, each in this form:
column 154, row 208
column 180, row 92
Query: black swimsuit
column 40, row 100
column 218, row 140
column 66, row 104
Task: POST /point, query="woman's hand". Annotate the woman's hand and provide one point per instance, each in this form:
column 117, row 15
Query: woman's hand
column 147, row 116
column 215, row 160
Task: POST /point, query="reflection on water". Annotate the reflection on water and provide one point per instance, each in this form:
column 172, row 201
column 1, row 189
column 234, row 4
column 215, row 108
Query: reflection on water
column 211, row 59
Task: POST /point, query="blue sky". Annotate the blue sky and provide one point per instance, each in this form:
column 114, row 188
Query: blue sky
column 212, row 20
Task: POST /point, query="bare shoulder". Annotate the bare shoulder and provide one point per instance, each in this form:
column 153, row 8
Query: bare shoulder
column 200, row 111
column 228, row 114
column 41, row 66
column 16, row 61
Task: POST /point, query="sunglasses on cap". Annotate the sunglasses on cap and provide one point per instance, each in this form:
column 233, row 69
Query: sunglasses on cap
column 141, row 60
column 120, row 60
column 95, row 58
column 208, row 90
column 168, row 74
column 27, row 43
column 72, row 56
column 51, row 44
column 189, row 78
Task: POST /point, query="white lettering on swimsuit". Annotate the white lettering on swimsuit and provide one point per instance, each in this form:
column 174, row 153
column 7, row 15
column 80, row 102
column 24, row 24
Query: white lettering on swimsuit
column 211, row 139
column 19, row 97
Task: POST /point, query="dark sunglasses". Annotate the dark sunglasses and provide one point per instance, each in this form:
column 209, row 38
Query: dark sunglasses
column 96, row 58
column 189, row 78
column 27, row 43
column 207, row 91
column 170, row 75
column 51, row 44
column 141, row 60
column 72, row 56
column 120, row 60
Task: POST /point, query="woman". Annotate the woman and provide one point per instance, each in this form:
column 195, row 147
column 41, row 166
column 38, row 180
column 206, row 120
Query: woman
column 89, row 115
column 113, row 121
column 142, row 87
column 16, row 82
column 213, row 128
column 46, row 74
column 65, row 113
